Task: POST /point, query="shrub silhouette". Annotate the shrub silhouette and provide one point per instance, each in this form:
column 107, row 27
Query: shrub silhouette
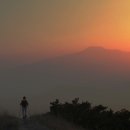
column 94, row 118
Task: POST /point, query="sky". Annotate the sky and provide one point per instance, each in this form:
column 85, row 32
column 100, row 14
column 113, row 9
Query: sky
column 32, row 29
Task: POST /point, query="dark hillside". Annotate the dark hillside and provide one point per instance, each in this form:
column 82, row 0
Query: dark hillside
column 91, row 117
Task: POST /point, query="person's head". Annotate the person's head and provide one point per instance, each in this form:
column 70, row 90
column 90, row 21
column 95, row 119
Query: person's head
column 24, row 97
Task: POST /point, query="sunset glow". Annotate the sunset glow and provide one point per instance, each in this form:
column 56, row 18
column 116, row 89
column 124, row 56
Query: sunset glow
column 44, row 28
column 64, row 49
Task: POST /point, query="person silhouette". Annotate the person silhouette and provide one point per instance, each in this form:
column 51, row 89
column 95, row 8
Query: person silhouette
column 24, row 105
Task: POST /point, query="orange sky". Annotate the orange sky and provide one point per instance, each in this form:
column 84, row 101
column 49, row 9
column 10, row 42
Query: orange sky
column 42, row 28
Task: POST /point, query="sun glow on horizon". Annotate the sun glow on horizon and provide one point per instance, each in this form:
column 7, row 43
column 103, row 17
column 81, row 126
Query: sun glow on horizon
column 45, row 28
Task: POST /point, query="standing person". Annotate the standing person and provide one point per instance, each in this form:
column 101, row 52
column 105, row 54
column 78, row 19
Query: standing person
column 24, row 105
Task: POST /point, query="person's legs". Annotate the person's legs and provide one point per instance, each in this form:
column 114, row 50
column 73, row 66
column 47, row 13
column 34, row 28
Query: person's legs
column 24, row 112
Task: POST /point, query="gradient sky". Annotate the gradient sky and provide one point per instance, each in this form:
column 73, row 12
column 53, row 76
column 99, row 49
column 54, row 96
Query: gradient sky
column 40, row 28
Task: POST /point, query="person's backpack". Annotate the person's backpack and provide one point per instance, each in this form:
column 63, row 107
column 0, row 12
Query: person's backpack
column 24, row 103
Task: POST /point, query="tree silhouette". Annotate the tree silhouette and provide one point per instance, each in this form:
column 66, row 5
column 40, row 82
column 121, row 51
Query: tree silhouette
column 94, row 118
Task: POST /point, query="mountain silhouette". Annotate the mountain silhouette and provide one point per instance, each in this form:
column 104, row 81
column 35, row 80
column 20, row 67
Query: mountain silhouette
column 97, row 74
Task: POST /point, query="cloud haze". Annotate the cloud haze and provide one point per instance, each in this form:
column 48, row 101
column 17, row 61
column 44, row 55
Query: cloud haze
column 43, row 28
column 95, row 74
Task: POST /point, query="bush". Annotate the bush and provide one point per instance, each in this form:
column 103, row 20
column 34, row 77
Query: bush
column 95, row 118
column 8, row 122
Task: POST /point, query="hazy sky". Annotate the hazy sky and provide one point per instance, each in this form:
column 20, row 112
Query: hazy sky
column 38, row 28
column 35, row 29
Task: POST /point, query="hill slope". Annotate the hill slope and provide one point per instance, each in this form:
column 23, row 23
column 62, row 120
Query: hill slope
column 97, row 74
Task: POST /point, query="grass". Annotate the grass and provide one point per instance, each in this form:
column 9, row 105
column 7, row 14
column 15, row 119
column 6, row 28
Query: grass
column 8, row 122
column 54, row 123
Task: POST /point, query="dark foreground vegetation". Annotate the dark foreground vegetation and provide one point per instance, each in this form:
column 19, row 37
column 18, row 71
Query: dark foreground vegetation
column 91, row 117
column 54, row 123
column 8, row 122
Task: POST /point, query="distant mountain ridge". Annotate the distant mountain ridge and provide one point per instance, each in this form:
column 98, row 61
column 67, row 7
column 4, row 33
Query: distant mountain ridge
column 97, row 74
